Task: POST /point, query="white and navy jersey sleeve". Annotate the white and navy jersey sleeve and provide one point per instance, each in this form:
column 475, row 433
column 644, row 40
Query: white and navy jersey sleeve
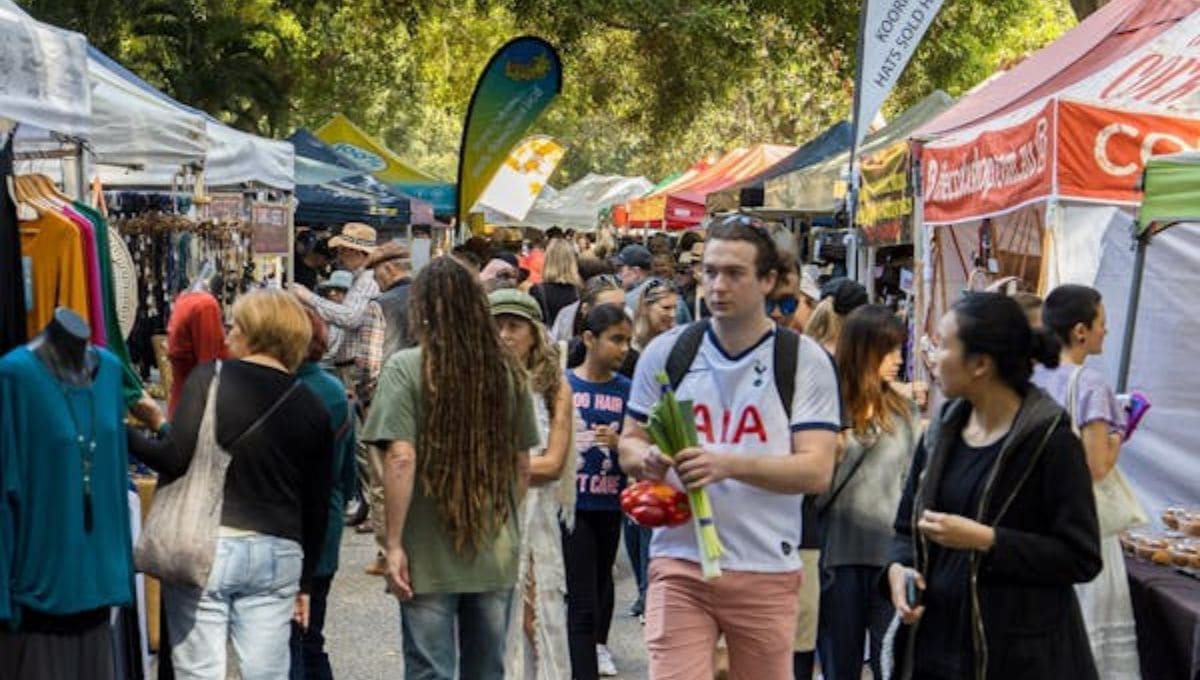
column 817, row 402
column 646, row 389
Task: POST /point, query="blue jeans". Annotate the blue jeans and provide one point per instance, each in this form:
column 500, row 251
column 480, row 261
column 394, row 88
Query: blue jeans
column 309, row 660
column 436, row 626
column 637, row 547
column 249, row 600
column 851, row 607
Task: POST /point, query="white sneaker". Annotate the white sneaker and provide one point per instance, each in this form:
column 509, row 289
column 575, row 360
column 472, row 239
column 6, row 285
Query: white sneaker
column 604, row 662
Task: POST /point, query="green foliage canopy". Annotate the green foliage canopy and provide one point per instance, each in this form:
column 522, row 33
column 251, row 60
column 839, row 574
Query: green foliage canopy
column 649, row 87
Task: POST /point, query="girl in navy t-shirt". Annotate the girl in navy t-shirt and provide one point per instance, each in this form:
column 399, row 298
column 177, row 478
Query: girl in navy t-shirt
column 591, row 548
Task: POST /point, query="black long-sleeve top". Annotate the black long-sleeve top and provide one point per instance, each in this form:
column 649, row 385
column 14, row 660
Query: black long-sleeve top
column 278, row 481
column 1037, row 496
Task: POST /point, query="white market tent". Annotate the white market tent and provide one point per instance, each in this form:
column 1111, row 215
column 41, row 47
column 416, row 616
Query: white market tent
column 132, row 127
column 1160, row 459
column 231, row 157
column 44, row 80
column 579, row 205
column 125, row 120
column 45, row 76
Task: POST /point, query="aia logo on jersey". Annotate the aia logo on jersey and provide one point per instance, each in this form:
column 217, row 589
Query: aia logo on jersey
column 732, row 428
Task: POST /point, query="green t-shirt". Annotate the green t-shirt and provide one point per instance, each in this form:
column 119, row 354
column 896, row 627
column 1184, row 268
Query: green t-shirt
column 434, row 565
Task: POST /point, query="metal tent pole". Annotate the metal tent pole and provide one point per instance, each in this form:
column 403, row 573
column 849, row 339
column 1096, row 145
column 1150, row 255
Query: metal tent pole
column 1135, row 295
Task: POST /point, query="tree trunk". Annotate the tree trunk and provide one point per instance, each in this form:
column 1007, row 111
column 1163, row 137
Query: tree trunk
column 1083, row 8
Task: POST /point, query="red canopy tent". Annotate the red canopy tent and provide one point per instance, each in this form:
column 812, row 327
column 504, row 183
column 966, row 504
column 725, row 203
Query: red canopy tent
column 681, row 204
column 1037, row 163
column 1031, row 173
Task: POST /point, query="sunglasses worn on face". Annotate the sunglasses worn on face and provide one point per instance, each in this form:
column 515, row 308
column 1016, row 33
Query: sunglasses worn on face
column 786, row 305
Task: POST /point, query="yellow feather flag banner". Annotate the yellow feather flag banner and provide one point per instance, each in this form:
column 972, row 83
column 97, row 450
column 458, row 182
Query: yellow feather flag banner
column 516, row 86
column 520, row 179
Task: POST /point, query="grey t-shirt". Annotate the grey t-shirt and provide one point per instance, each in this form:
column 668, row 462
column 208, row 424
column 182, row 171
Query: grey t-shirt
column 857, row 528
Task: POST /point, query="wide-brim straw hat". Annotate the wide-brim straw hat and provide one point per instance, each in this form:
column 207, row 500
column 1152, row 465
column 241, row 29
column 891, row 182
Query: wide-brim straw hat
column 356, row 236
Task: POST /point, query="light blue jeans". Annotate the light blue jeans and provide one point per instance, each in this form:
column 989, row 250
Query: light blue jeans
column 438, row 626
column 249, row 600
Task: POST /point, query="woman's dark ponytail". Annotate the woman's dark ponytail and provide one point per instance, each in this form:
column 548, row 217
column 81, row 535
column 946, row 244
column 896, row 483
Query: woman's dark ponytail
column 994, row 325
column 1046, row 348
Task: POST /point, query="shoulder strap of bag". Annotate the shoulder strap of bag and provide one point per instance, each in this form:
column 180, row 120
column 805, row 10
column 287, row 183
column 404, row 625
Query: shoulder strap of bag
column 826, row 502
column 787, row 349
column 684, row 351
column 787, row 358
column 266, row 414
column 1073, row 398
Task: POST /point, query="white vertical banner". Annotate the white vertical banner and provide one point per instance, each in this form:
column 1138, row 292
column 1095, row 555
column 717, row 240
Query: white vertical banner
column 891, row 31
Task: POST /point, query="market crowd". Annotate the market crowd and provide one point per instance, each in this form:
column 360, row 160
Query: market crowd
column 488, row 411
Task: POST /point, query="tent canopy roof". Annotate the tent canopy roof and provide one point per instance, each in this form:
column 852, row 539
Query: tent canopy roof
column 46, row 83
column 832, row 140
column 578, row 206
column 816, row 188
column 1172, row 186
column 1104, row 38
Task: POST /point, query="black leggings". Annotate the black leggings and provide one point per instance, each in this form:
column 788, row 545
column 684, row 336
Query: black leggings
column 589, row 553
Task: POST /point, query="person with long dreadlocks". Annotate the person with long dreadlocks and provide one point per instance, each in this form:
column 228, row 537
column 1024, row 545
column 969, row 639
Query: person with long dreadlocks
column 455, row 421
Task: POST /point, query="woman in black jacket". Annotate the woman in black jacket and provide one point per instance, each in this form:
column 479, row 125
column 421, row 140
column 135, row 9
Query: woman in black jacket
column 997, row 520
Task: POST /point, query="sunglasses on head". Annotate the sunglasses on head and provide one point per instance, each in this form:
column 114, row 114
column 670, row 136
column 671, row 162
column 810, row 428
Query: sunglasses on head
column 746, row 221
column 656, row 282
column 605, row 280
column 787, row 305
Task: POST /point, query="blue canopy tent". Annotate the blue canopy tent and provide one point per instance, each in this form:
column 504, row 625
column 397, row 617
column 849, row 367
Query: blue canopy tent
column 354, row 198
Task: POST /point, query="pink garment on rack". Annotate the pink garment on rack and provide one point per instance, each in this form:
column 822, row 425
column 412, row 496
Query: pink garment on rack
column 91, row 265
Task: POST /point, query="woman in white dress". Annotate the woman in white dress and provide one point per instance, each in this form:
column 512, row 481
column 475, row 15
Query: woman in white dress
column 1076, row 315
column 536, row 647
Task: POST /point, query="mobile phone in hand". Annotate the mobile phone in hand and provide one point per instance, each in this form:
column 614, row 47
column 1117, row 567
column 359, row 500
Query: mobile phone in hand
column 912, row 593
column 1136, row 405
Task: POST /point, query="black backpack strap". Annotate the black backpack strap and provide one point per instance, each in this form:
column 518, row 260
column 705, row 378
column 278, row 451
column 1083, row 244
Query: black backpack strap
column 684, row 351
column 787, row 356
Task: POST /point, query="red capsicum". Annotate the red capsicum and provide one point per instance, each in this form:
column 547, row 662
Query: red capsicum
column 655, row 504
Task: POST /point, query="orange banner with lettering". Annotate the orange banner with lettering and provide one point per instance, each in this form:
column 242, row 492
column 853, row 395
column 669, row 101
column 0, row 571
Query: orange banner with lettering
column 998, row 170
column 1102, row 152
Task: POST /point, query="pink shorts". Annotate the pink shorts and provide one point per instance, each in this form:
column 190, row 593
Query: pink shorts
column 685, row 614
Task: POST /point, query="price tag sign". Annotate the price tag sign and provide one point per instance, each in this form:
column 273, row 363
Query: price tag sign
column 226, row 208
column 269, row 225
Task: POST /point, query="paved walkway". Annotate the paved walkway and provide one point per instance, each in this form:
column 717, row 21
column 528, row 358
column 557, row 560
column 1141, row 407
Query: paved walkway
column 363, row 625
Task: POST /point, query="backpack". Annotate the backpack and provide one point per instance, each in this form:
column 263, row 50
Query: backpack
column 787, row 348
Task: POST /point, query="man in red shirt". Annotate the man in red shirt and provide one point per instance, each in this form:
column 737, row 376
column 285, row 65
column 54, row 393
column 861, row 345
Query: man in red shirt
column 195, row 335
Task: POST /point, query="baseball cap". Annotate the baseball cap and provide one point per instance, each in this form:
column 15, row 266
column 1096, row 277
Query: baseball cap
column 513, row 301
column 847, row 295
column 634, row 255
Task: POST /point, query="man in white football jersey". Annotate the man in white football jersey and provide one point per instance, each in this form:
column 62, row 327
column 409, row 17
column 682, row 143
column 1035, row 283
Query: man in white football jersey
column 767, row 412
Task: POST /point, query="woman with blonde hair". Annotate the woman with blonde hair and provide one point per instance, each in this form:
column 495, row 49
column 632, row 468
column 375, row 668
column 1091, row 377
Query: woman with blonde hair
column 839, row 297
column 276, row 492
column 537, row 629
column 560, row 283
column 655, row 313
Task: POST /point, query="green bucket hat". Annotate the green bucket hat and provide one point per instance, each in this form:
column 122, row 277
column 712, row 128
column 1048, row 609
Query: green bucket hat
column 513, row 301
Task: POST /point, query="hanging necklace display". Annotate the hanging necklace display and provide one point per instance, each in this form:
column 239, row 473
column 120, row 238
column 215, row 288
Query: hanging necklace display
column 87, row 451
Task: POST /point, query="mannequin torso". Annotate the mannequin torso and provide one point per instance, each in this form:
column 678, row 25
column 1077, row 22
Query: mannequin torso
column 63, row 347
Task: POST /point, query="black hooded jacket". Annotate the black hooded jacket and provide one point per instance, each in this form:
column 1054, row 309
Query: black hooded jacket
column 1025, row 620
